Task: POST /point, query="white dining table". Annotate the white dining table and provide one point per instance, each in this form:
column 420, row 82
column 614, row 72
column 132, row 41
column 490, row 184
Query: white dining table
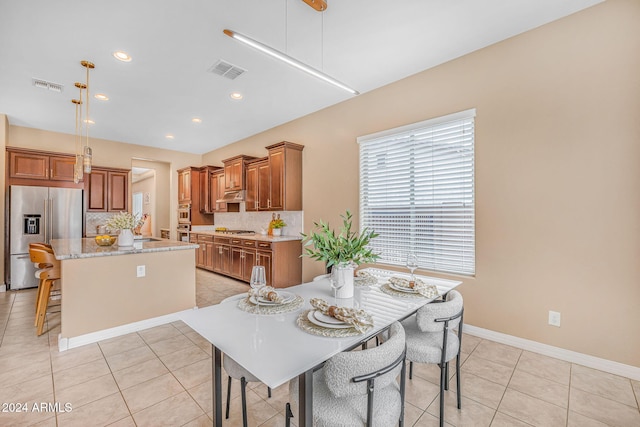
column 275, row 350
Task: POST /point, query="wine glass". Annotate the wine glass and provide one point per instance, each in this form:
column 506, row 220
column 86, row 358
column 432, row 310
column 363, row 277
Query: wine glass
column 258, row 281
column 412, row 265
column 336, row 280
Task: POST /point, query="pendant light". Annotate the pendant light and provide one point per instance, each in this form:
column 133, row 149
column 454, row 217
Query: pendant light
column 320, row 6
column 87, row 153
column 78, row 166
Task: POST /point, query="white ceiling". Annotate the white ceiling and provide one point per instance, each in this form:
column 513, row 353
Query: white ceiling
column 363, row 43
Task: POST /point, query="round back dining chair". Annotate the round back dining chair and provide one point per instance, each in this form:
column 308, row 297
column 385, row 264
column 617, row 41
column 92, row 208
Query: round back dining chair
column 431, row 339
column 358, row 388
column 234, row 370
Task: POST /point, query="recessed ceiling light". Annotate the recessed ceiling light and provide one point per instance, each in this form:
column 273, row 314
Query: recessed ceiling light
column 169, row 136
column 196, row 120
column 122, row 56
column 91, row 122
column 101, row 96
column 236, row 95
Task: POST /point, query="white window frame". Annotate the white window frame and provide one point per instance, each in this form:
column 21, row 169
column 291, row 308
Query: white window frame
column 417, row 190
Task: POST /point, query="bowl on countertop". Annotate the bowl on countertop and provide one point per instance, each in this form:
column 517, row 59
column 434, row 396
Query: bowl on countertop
column 105, row 240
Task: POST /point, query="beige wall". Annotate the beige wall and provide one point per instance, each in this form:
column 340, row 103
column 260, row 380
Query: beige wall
column 557, row 174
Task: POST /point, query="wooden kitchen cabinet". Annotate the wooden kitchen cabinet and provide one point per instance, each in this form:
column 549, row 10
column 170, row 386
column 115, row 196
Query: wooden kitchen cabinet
column 208, row 189
column 204, row 252
column 234, row 172
column 184, row 185
column 216, row 183
column 263, row 258
column 39, row 165
column 285, row 176
column 243, row 258
column 221, row 256
column 235, row 257
column 107, row 190
column 257, row 183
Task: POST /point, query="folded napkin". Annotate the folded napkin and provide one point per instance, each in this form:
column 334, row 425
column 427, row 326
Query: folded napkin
column 359, row 319
column 429, row 291
column 364, row 274
column 267, row 293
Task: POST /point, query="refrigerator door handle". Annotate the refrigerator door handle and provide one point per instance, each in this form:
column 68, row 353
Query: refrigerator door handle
column 23, row 256
column 46, row 221
column 51, row 222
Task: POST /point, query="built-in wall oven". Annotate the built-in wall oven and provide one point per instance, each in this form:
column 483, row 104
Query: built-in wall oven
column 184, row 222
column 184, row 214
column 183, row 232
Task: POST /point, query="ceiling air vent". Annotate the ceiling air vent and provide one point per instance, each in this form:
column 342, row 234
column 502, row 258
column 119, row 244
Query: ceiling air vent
column 225, row 69
column 43, row 84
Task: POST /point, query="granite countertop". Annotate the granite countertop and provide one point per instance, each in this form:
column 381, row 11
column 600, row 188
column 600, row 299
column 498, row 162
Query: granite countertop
column 256, row 236
column 88, row 248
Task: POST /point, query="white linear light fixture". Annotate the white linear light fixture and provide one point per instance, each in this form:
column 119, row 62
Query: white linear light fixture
column 289, row 60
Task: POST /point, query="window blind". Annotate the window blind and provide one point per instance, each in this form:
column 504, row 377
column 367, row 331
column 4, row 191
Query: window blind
column 417, row 192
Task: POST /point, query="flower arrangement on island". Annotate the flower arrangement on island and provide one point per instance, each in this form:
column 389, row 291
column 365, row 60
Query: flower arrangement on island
column 125, row 221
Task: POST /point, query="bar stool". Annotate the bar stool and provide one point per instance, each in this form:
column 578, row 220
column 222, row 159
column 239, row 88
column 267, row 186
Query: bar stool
column 39, row 266
column 47, row 277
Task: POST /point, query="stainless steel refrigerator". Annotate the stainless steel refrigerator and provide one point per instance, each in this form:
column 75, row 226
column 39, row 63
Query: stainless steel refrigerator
column 39, row 214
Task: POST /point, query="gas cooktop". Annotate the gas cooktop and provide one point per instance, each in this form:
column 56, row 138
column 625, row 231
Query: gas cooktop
column 236, row 231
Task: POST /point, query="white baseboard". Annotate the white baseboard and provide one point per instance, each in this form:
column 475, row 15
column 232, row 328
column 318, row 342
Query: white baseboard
column 3, row 288
column 69, row 343
column 605, row 365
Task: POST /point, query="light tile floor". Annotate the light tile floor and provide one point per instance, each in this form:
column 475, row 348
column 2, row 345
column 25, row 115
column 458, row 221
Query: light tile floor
column 162, row 377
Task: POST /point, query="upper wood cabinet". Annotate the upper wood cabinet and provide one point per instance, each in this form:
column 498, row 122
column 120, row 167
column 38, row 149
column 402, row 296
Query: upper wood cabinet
column 184, row 185
column 285, row 176
column 107, row 190
column 208, row 189
column 257, row 185
column 31, row 164
column 234, row 172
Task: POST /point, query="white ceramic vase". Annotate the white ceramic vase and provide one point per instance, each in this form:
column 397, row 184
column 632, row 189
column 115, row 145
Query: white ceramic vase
column 345, row 275
column 277, row 232
column 125, row 238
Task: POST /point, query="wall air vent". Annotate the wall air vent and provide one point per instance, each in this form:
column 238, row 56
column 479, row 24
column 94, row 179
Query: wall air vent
column 43, row 84
column 225, row 69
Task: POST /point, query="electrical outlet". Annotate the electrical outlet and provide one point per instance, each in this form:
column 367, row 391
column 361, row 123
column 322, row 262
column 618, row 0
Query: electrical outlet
column 141, row 271
column 554, row 318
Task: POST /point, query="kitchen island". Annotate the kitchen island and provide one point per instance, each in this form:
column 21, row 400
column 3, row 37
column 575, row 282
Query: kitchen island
column 109, row 291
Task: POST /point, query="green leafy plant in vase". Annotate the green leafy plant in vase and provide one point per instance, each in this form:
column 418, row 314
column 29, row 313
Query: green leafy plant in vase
column 343, row 250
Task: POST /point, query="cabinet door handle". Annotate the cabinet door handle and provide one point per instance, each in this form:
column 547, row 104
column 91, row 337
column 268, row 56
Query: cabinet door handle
column 268, row 203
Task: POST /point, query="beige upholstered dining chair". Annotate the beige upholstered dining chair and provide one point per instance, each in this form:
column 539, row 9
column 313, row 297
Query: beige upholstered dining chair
column 430, row 331
column 359, row 388
column 234, row 370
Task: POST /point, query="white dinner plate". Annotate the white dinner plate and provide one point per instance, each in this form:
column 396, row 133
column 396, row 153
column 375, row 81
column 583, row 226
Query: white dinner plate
column 312, row 318
column 321, row 317
column 402, row 289
column 287, row 297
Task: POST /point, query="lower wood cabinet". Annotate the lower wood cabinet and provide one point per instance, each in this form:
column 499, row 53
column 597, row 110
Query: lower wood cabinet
column 204, row 253
column 235, row 257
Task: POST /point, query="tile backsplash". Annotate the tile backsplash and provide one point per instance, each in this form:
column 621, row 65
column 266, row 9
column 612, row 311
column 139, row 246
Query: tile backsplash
column 257, row 220
column 93, row 219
